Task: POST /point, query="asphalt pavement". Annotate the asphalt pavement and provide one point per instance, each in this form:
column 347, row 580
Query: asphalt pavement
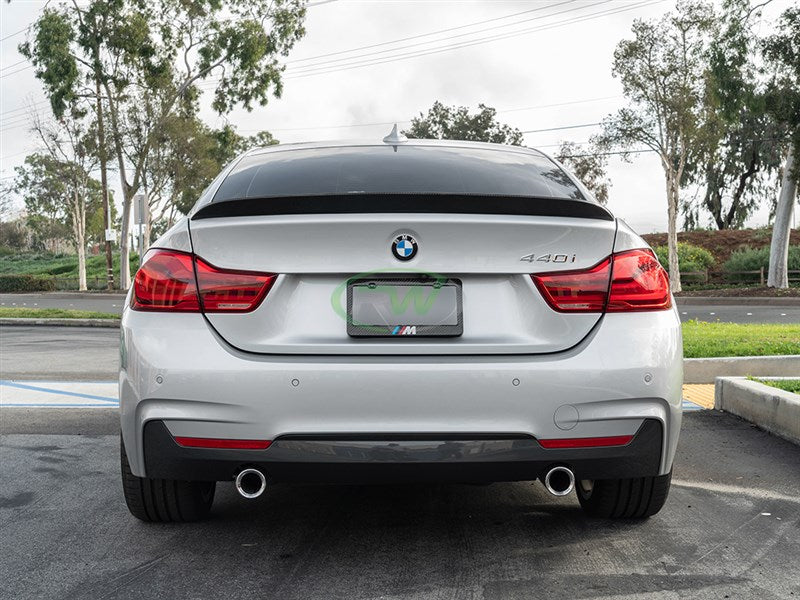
column 59, row 353
column 741, row 314
column 728, row 311
column 729, row 529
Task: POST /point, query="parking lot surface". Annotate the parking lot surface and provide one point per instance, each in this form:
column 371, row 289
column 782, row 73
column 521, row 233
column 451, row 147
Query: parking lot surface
column 731, row 528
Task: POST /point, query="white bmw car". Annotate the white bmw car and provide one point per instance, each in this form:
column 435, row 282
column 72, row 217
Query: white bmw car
column 411, row 310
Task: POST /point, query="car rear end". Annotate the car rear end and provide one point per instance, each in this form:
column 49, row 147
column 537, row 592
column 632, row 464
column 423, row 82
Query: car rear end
column 400, row 312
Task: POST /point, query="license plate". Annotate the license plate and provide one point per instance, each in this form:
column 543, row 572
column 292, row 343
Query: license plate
column 395, row 307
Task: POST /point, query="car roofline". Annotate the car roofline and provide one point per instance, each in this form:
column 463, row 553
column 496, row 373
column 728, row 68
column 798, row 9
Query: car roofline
column 364, row 143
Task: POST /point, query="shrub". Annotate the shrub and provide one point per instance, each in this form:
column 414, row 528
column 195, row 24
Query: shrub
column 26, row 283
column 752, row 259
column 690, row 257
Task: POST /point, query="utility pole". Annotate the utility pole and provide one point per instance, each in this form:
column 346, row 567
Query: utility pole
column 101, row 142
column 141, row 218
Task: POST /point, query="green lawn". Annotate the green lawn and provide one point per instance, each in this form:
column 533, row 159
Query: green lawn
column 53, row 313
column 788, row 385
column 704, row 340
column 59, row 265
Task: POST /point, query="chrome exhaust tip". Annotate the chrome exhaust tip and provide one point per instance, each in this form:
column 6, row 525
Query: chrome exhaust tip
column 559, row 481
column 250, row 483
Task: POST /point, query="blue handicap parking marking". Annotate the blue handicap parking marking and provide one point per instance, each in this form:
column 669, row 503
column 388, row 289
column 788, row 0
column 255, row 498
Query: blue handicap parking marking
column 58, row 394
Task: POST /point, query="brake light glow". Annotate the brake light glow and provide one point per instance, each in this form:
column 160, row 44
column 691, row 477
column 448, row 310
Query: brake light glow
column 193, row 442
column 175, row 281
column 637, row 283
column 592, row 442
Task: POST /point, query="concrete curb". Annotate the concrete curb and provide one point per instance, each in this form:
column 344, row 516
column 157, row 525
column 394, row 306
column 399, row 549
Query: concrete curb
column 71, row 295
column 773, row 410
column 736, row 301
column 706, row 370
column 12, row 321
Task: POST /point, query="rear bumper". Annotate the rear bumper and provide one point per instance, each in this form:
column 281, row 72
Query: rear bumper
column 176, row 371
column 375, row 459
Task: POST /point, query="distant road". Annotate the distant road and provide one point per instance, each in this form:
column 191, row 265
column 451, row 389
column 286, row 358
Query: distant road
column 113, row 303
column 741, row 314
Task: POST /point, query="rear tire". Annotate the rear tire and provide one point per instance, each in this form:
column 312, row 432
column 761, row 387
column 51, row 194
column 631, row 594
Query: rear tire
column 637, row 498
column 165, row 500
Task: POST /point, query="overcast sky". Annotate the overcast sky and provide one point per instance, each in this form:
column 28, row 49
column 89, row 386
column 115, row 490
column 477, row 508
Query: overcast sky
column 550, row 67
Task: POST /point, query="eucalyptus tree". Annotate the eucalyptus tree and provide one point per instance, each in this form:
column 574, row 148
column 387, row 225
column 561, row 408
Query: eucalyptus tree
column 160, row 52
column 183, row 160
column 782, row 54
column 662, row 74
column 56, row 183
column 741, row 149
column 456, row 123
column 588, row 165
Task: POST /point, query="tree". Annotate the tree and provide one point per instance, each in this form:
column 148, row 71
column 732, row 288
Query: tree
column 661, row 70
column 456, row 123
column 588, row 165
column 55, row 192
column 782, row 54
column 184, row 160
column 154, row 53
column 741, row 144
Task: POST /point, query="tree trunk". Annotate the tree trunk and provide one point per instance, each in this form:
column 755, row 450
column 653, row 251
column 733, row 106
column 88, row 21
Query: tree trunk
column 101, row 145
column 673, row 196
column 779, row 248
column 127, row 194
column 79, row 229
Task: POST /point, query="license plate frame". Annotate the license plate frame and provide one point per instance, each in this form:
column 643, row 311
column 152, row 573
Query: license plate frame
column 421, row 328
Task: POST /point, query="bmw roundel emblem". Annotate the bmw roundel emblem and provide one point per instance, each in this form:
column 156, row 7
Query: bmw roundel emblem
column 404, row 247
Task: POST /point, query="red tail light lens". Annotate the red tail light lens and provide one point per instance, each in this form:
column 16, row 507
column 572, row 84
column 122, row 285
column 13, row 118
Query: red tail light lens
column 638, row 283
column 231, row 291
column 576, row 291
column 167, row 282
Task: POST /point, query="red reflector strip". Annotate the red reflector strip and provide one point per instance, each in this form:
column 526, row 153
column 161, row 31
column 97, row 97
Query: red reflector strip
column 193, row 442
column 592, row 442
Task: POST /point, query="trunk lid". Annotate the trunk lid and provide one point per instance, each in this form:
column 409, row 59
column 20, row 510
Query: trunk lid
column 492, row 256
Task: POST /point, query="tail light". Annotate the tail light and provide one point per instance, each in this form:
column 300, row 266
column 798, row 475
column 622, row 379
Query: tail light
column 639, row 282
column 576, row 291
column 175, row 281
column 627, row 281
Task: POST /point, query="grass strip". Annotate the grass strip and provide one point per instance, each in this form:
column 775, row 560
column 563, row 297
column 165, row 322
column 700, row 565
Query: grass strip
column 702, row 339
column 787, row 385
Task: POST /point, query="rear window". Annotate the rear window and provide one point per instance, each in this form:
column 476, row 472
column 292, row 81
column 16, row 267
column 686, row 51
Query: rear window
column 396, row 170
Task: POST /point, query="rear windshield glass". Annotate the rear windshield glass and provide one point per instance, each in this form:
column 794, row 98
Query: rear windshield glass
column 401, row 170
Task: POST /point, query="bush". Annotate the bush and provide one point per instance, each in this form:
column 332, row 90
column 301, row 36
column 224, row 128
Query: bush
column 26, row 283
column 690, row 257
column 749, row 259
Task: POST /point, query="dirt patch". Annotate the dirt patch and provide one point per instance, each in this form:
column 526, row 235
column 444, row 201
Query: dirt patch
column 723, row 243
